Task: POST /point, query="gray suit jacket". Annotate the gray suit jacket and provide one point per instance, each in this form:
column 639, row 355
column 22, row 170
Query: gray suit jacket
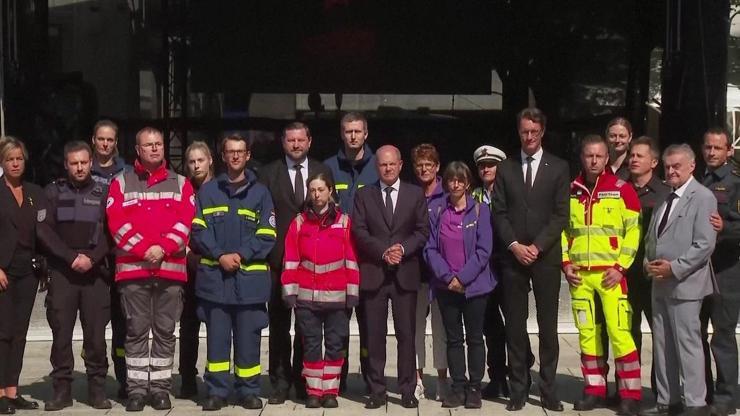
column 687, row 242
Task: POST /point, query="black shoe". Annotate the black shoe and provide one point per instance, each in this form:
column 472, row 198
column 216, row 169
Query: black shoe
column 329, row 401
column 473, row 398
column 515, row 404
column 494, row 390
column 135, row 403
column 5, row 408
column 663, row 410
column 588, row 402
column 453, row 399
column 62, row 398
column 408, row 401
column 161, row 401
column 251, row 402
column 313, row 402
column 188, row 388
column 20, row 403
column 628, row 407
column 719, row 409
column 551, row 403
column 278, row 397
column 375, row 402
column 96, row 395
column 212, row 403
column 695, row 411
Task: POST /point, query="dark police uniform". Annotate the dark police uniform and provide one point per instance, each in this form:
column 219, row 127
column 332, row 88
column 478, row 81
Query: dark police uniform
column 118, row 322
column 724, row 306
column 233, row 219
column 77, row 218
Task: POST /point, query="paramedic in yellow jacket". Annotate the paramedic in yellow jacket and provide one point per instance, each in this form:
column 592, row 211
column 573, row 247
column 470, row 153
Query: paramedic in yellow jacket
column 599, row 245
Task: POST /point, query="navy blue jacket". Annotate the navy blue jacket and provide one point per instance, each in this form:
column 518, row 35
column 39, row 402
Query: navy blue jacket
column 100, row 177
column 349, row 177
column 243, row 223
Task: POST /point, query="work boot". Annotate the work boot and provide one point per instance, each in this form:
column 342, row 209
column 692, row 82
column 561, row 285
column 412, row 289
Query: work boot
column 62, row 397
column 161, row 401
column 96, row 394
column 588, row 402
column 188, row 387
column 135, row 403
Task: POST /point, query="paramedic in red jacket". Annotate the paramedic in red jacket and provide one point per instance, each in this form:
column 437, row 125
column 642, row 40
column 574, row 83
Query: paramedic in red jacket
column 321, row 280
column 150, row 210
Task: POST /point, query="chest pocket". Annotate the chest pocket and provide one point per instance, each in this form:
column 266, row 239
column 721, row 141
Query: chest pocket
column 606, row 213
column 248, row 220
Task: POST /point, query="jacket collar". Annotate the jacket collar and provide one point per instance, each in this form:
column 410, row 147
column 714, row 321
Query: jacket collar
column 152, row 177
column 117, row 162
column 367, row 154
column 223, row 182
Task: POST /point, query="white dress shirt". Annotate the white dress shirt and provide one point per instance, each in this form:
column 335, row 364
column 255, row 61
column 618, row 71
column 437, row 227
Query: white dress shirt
column 394, row 193
column 536, row 158
column 679, row 192
column 291, row 173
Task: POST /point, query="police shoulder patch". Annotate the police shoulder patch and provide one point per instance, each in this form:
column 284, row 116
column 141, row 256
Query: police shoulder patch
column 41, row 215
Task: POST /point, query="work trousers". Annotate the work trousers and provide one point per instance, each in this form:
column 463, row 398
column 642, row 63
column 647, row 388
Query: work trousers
column 70, row 292
column 150, row 304
column 16, row 304
column 424, row 308
column 283, row 371
column 242, row 325
column 322, row 372
column 189, row 333
column 118, row 336
column 677, row 351
column 725, row 310
column 463, row 325
column 362, row 329
column 618, row 319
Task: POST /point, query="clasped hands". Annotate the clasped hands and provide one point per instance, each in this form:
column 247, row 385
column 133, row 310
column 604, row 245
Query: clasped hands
column 525, row 255
column 230, row 262
column 82, row 263
column 393, row 255
column 659, row 269
column 611, row 276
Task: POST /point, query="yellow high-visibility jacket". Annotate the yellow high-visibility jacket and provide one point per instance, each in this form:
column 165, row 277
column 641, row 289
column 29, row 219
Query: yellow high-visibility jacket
column 604, row 226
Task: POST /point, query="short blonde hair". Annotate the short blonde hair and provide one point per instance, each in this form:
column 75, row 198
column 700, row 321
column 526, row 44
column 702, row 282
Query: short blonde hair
column 8, row 143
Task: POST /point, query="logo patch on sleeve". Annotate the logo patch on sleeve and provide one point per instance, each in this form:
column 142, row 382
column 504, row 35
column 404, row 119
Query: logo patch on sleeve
column 109, row 202
column 41, row 215
column 271, row 220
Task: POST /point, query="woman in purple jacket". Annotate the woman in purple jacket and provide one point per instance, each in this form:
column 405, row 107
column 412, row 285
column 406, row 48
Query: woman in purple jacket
column 457, row 253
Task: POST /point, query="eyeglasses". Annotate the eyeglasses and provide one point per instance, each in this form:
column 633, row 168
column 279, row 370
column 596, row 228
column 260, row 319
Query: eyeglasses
column 239, row 152
column 152, row 145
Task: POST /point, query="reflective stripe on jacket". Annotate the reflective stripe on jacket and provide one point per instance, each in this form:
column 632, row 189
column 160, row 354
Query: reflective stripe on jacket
column 604, row 226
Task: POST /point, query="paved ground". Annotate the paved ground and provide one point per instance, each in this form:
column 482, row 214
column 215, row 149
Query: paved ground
column 36, row 385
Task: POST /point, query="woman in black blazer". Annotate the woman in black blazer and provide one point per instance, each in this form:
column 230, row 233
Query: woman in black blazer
column 22, row 207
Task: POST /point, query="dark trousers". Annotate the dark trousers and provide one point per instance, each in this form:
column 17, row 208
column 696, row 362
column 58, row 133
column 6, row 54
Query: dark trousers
column 327, row 329
column 545, row 283
column 725, row 310
column 704, row 315
column 189, row 333
column 118, row 336
column 375, row 308
column 153, row 304
column 363, row 349
column 495, row 333
column 245, row 322
column 70, row 292
column 463, row 325
column 283, row 372
column 16, row 304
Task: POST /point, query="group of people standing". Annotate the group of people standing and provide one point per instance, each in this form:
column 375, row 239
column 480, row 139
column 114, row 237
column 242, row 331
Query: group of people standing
column 246, row 249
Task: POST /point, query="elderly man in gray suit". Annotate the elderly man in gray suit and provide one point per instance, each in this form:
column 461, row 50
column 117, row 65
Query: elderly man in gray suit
column 678, row 246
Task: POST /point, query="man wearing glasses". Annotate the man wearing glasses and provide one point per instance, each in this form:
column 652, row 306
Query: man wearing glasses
column 149, row 211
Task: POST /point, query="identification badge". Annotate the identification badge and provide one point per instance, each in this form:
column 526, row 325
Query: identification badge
column 609, row 194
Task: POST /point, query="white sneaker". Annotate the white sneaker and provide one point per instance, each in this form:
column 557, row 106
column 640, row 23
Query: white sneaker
column 419, row 390
column 442, row 390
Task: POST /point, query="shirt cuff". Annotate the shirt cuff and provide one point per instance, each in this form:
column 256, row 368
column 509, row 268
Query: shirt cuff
column 512, row 245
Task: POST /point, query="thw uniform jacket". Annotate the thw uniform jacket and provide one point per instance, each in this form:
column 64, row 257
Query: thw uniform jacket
column 241, row 222
column 145, row 209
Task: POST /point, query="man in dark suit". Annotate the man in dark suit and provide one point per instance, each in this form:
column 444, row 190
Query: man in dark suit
column 530, row 205
column 390, row 227
column 286, row 180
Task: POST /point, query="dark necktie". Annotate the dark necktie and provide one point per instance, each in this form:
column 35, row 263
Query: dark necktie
column 389, row 204
column 708, row 179
column 528, row 175
column 298, row 184
column 667, row 212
